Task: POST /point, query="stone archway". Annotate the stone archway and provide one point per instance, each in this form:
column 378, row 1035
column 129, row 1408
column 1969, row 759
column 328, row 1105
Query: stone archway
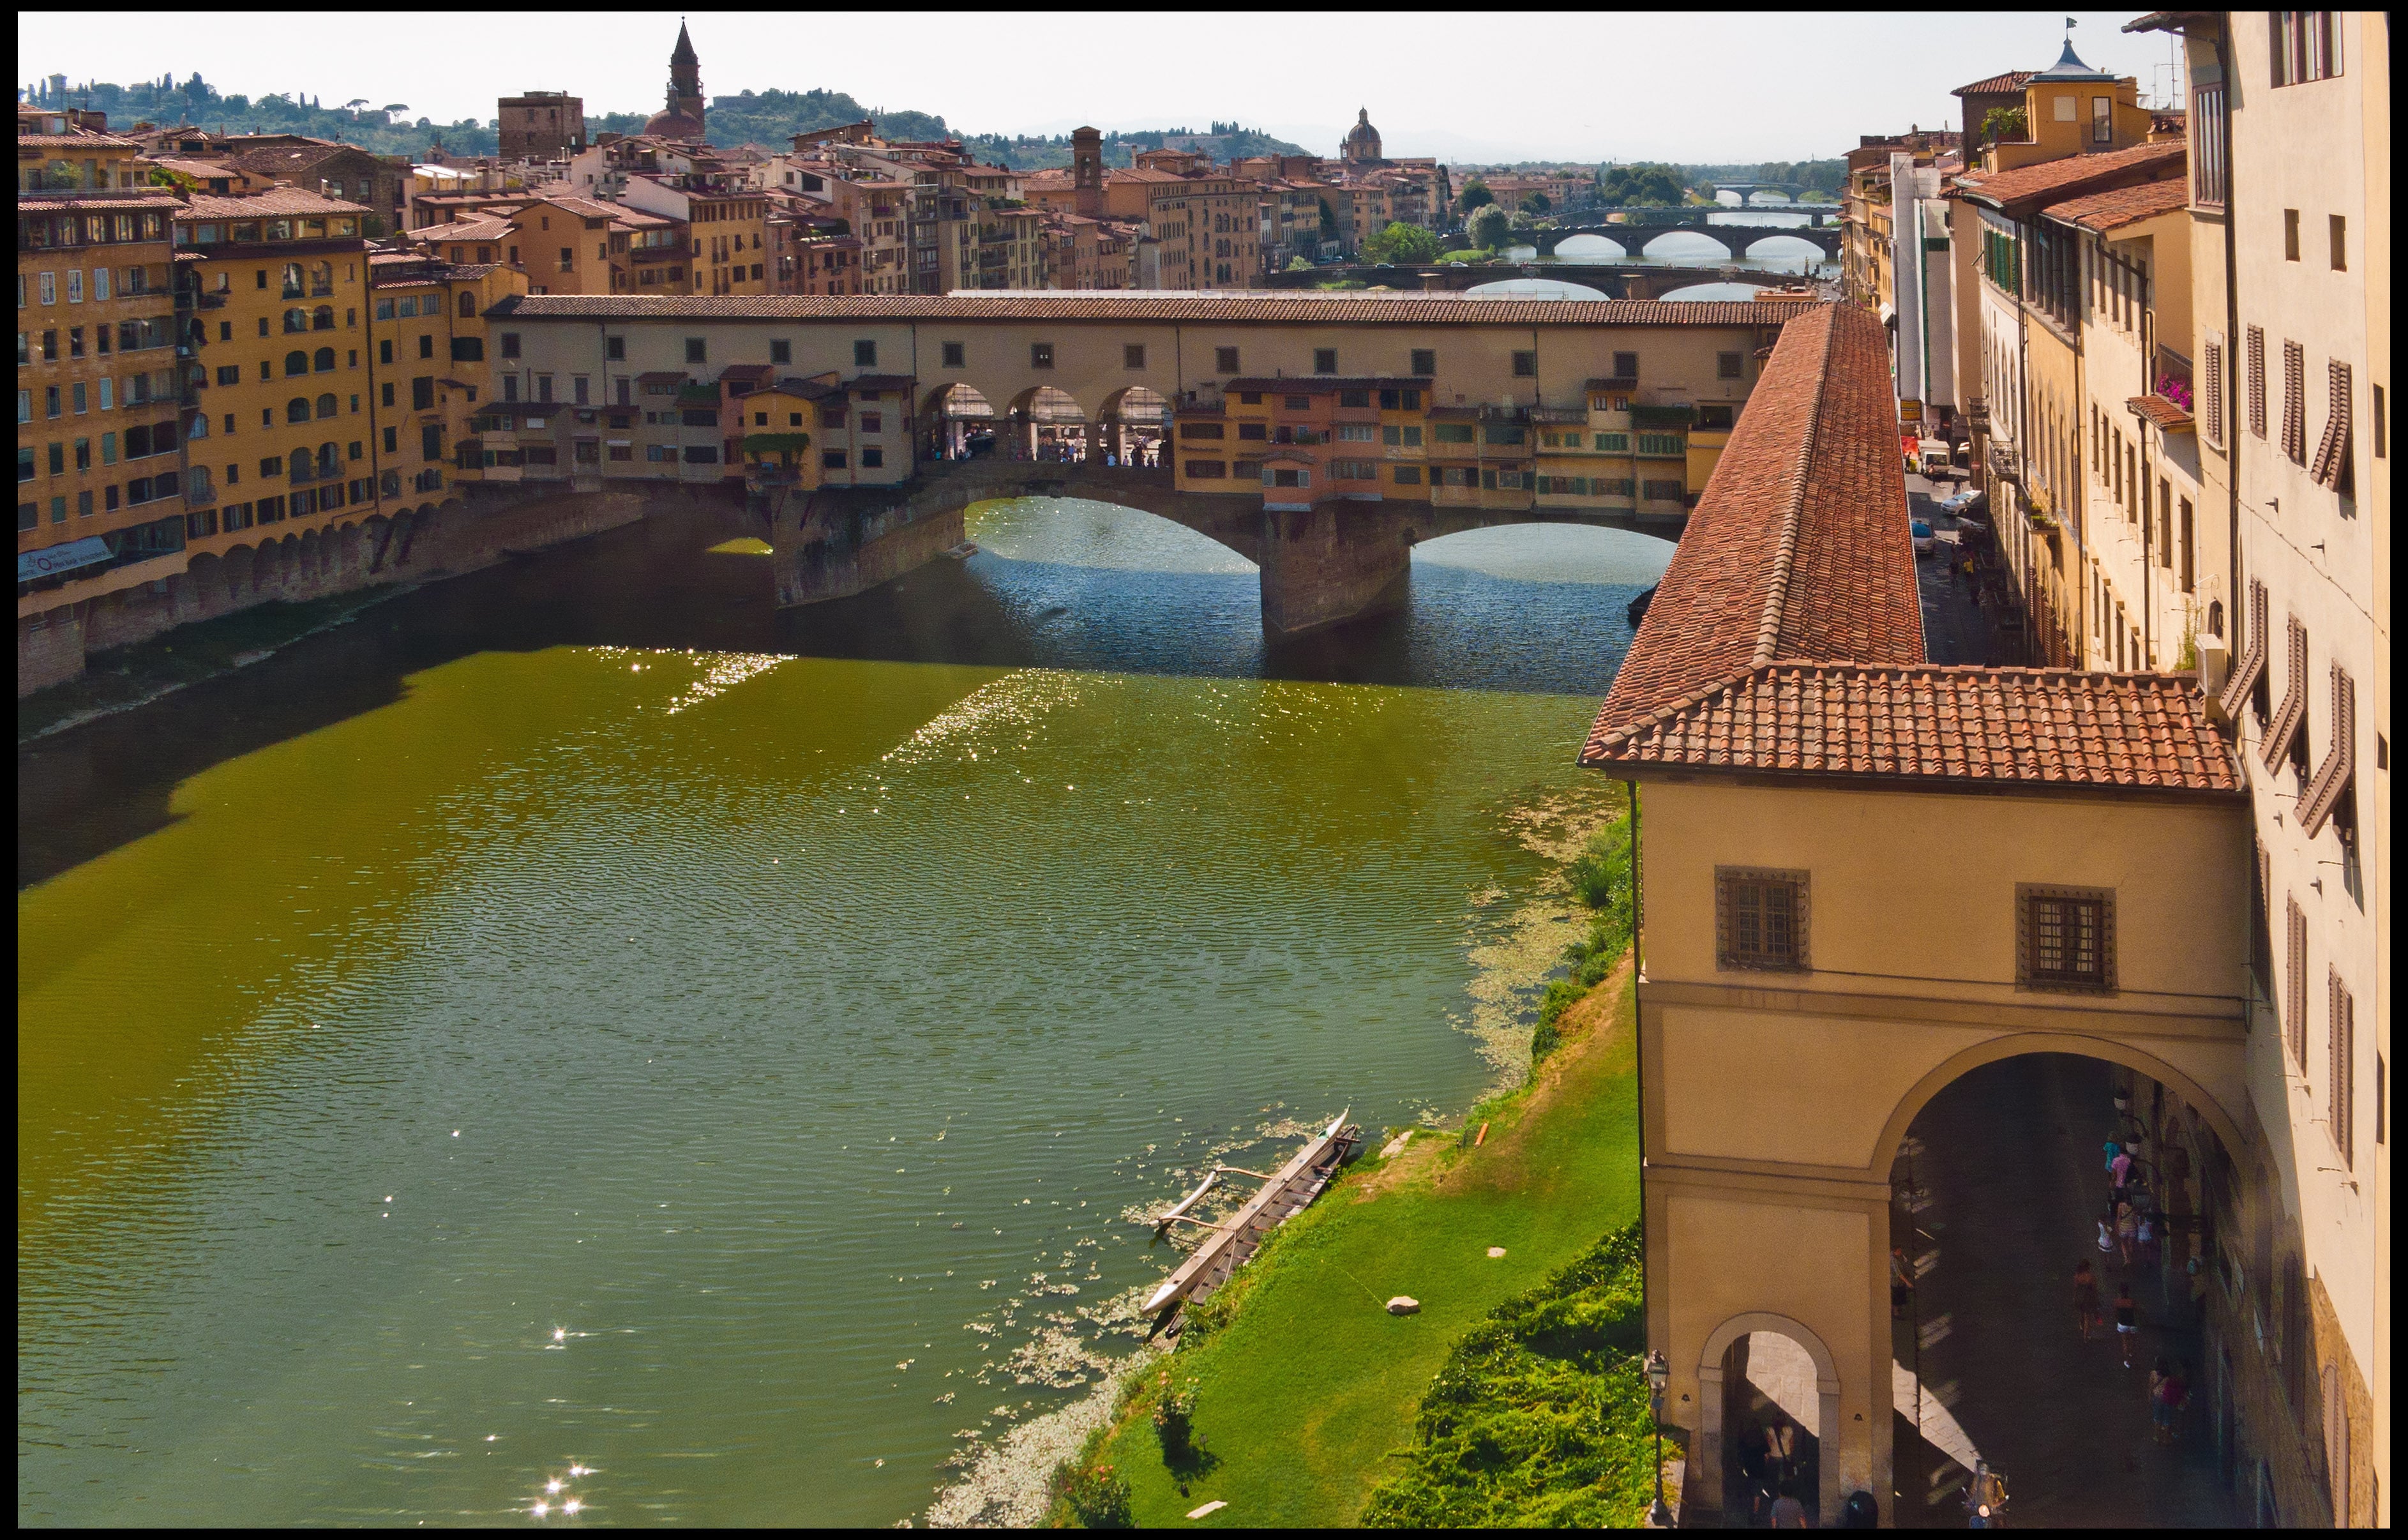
column 951, row 415
column 1134, row 420
column 1707, row 1453
column 1047, row 422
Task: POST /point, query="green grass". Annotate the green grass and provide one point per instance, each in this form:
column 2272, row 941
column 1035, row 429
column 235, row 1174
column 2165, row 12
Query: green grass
column 1304, row 1387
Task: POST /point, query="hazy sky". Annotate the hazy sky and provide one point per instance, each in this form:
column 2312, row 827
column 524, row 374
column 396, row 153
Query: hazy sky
column 1686, row 86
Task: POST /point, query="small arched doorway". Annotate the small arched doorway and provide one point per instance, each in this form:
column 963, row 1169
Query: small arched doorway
column 1768, row 1410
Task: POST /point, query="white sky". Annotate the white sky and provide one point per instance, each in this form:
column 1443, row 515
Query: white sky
column 1682, row 86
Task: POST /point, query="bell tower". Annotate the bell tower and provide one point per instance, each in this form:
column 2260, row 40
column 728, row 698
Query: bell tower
column 1087, row 172
column 685, row 76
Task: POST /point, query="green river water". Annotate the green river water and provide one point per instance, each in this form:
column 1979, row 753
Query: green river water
column 577, row 1023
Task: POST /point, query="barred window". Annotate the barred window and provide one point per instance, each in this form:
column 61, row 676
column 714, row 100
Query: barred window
column 2068, row 938
column 1760, row 919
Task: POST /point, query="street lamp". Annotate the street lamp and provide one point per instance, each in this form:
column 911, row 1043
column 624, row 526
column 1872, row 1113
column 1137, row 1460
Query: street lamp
column 1658, row 1372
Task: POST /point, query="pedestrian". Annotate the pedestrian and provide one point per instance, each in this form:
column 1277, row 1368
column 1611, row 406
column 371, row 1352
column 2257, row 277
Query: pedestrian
column 2085, row 1297
column 1787, row 1512
column 2161, row 1406
column 2119, row 1169
column 2177, row 1398
column 2107, row 1233
column 2127, row 1324
column 2197, row 1270
column 2128, row 1231
column 1901, row 1283
column 2113, row 1149
column 2146, row 1236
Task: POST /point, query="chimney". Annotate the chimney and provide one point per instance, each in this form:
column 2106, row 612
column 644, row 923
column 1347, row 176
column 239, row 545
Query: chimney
column 1087, row 172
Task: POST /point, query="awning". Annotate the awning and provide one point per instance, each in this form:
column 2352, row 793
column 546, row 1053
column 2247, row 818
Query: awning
column 51, row 560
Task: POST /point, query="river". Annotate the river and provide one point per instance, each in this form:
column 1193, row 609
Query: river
column 577, row 1023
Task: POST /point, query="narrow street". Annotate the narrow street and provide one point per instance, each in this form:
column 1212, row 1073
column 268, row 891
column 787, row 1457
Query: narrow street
column 1955, row 630
column 2009, row 1162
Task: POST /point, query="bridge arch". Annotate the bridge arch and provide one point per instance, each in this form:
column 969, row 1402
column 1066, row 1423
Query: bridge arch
column 1132, row 421
column 950, row 414
column 1730, row 248
column 1812, row 252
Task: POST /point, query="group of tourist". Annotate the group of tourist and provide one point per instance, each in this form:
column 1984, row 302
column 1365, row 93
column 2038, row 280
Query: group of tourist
column 2129, row 1231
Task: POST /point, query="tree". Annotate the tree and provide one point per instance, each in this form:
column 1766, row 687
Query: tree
column 1475, row 195
column 1539, row 203
column 1487, row 226
column 1641, row 186
column 1521, row 220
column 1298, row 264
column 2003, row 123
column 1402, row 242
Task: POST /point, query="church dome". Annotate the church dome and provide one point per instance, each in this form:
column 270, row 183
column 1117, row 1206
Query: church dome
column 1362, row 141
column 674, row 126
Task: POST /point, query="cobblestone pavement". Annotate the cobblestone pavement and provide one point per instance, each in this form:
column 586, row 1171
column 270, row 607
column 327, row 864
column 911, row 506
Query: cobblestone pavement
column 2009, row 1160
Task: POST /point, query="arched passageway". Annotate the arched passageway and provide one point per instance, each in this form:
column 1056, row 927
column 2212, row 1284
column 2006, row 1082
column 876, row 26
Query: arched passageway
column 957, row 422
column 1769, row 1398
column 2000, row 1184
column 1133, row 424
column 1048, row 423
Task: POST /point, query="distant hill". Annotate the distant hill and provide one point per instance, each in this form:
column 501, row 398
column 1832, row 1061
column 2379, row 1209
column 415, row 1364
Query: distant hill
column 768, row 117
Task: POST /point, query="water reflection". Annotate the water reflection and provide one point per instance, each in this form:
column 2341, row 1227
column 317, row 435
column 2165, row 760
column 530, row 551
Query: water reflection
column 580, row 1010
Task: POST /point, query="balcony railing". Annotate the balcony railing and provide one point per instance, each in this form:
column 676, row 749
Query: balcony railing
column 2170, row 376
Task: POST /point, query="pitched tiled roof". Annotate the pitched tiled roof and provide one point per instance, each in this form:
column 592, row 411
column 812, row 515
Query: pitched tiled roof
column 275, row 200
column 2044, row 180
column 99, row 201
column 1800, row 545
column 2157, row 410
column 2037, row 728
column 464, row 230
column 1410, row 310
column 2113, row 210
column 1997, row 85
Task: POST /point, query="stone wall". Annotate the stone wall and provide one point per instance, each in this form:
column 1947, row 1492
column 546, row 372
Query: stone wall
column 470, row 531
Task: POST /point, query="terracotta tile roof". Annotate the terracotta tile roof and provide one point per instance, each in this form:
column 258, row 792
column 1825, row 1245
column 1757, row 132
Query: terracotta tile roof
column 1800, row 545
column 2039, row 729
column 2013, row 80
column 2114, row 209
column 275, row 200
column 86, row 140
column 1321, row 385
column 2157, row 410
column 97, row 201
column 464, row 230
column 2044, row 180
column 1411, row 309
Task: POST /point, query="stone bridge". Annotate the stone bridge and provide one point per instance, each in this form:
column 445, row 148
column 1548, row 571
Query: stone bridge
column 1343, row 559
column 1738, row 239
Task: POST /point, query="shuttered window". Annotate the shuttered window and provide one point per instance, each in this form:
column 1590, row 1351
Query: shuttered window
column 2340, row 1050
column 2256, row 363
column 2066, row 938
column 2291, row 715
column 2295, row 402
column 2295, row 983
column 2332, row 467
column 2212, row 391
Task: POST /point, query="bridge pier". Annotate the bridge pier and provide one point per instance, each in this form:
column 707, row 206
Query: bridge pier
column 1323, row 565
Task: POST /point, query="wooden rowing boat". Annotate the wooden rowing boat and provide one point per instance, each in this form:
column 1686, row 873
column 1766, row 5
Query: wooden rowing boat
column 1228, row 1243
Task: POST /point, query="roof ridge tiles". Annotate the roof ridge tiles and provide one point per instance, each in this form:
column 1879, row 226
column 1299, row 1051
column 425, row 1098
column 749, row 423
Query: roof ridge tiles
column 1776, row 598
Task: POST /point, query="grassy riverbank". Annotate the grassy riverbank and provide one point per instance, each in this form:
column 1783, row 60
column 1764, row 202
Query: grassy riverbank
column 125, row 677
column 1304, row 1387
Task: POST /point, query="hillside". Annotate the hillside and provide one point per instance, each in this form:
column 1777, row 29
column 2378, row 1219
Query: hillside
column 767, row 117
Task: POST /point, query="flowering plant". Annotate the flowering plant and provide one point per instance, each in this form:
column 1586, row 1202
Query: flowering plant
column 2176, row 391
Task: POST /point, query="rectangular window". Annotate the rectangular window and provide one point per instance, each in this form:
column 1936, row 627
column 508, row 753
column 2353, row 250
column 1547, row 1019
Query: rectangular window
column 2068, row 938
column 1409, row 475
column 872, row 457
column 1613, row 443
column 1760, row 919
column 2209, row 157
column 1133, row 356
column 694, row 350
column 1726, row 365
column 1224, row 360
column 832, row 459
column 2210, row 391
column 422, row 392
column 700, row 454
column 1525, row 364
column 2103, row 120
column 1207, row 470
column 1663, row 444
column 1357, row 433
column 2188, row 586
column 1454, row 433
column 2295, row 402
column 953, row 355
column 430, row 441
column 510, row 345
column 1324, row 360
column 1663, row 491
column 1041, row 355
column 865, row 355
column 1424, row 362
column 1625, row 366
column 2338, row 228
column 1200, row 430
column 2290, row 234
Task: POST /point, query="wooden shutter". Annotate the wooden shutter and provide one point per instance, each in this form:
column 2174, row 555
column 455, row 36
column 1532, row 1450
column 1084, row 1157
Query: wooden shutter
column 2332, row 778
column 2332, row 450
column 2253, row 660
column 2340, row 1050
column 2295, row 402
column 2256, row 366
column 2210, row 391
column 2294, row 709
column 2295, row 983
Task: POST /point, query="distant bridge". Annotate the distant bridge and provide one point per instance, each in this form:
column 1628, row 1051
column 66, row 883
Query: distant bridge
column 1815, row 213
column 1738, row 239
column 1748, row 189
column 1615, row 280
column 1340, row 560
